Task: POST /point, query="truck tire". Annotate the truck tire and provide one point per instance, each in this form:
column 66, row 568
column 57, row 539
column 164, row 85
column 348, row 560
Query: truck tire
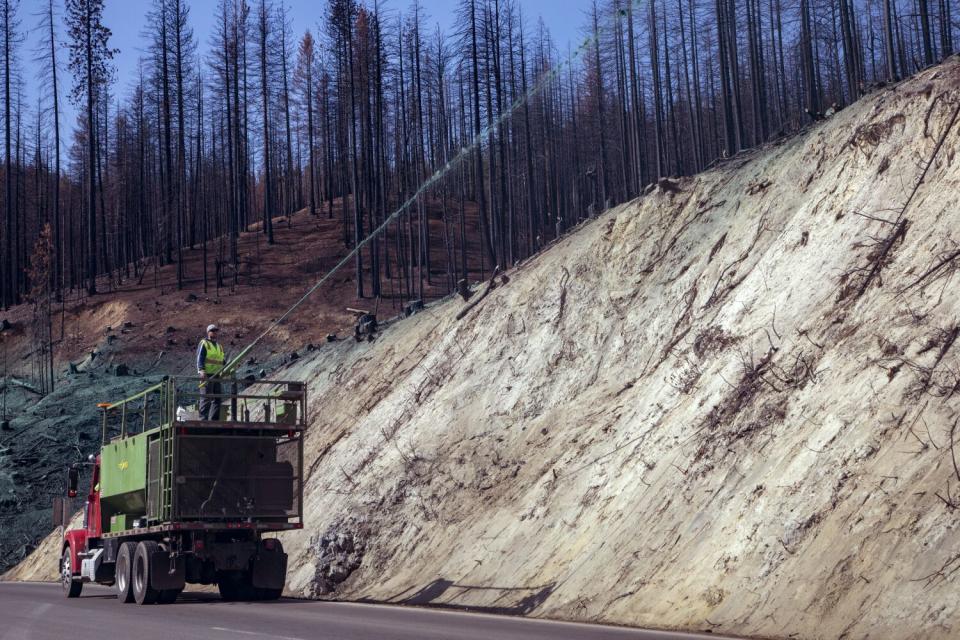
column 143, row 593
column 236, row 585
column 124, row 572
column 169, row 596
column 269, row 594
column 229, row 589
column 71, row 587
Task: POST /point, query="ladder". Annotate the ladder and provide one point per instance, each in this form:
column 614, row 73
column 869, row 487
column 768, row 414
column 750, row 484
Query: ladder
column 167, row 449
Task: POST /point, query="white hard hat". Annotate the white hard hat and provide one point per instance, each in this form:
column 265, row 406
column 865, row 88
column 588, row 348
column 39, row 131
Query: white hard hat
column 212, row 327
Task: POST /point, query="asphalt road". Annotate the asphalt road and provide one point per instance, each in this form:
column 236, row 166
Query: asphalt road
column 39, row 611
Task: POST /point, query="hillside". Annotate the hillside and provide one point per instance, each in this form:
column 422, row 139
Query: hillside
column 728, row 406
column 146, row 319
column 142, row 327
column 683, row 414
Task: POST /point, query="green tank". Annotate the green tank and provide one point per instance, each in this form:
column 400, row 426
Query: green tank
column 123, row 476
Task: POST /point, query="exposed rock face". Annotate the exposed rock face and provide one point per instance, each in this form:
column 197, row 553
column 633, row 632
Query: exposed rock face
column 337, row 555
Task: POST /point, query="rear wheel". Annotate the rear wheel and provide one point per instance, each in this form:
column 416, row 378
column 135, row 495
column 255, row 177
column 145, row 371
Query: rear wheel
column 71, row 587
column 143, row 593
column 168, row 596
column 229, row 590
column 124, row 575
column 269, row 594
column 236, row 585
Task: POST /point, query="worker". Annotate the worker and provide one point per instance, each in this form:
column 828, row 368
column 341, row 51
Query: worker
column 210, row 359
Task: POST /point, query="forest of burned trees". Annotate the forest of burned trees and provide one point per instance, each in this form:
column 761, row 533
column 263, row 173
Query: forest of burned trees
column 224, row 132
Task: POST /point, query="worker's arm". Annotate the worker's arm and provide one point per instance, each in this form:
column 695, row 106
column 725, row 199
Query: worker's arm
column 201, row 359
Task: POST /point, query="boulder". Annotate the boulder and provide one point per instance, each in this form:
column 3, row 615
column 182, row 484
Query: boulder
column 412, row 307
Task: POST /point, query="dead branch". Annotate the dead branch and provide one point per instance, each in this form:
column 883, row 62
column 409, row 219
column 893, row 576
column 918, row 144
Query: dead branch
column 806, row 334
column 679, row 334
column 348, row 477
column 668, row 245
column 942, row 573
column 900, row 229
column 923, row 445
column 25, row 385
column 874, row 218
column 926, row 117
column 930, row 435
column 879, row 259
column 948, row 500
column 717, row 296
column 953, row 452
column 563, row 296
column 946, row 260
column 491, row 284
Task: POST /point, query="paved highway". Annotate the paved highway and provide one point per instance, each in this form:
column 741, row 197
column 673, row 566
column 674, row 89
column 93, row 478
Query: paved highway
column 39, row 612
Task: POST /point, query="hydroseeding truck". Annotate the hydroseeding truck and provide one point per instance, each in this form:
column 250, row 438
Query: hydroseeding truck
column 176, row 500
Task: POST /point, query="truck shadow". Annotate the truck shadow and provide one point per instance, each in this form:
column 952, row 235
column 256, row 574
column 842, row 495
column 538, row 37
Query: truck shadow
column 429, row 594
column 203, row 597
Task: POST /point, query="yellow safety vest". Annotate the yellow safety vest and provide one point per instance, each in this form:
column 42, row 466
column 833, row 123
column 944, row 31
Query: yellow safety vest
column 213, row 363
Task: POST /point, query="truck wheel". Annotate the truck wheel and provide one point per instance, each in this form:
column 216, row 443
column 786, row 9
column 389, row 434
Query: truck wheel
column 269, row 594
column 71, row 587
column 143, row 593
column 124, row 575
column 229, row 589
column 168, row 596
column 236, row 586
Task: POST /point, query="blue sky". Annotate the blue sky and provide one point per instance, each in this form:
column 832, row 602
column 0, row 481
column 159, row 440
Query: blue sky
column 127, row 18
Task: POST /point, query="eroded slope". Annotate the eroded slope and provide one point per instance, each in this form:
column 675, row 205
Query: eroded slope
column 726, row 405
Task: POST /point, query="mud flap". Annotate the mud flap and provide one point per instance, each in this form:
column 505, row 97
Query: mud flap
column 161, row 577
column 269, row 570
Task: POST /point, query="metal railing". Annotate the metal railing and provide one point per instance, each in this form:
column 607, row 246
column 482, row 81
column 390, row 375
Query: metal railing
column 257, row 404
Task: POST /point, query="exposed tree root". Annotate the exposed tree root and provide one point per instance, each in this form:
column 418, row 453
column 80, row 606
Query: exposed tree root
column 881, row 258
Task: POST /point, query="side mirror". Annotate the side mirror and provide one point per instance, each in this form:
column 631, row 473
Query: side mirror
column 73, row 480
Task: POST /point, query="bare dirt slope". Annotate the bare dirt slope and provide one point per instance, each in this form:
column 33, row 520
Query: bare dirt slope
column 728, row 405
column 44, row 562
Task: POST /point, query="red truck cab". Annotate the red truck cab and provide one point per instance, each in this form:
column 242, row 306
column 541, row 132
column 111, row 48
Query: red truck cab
column 75, row 541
